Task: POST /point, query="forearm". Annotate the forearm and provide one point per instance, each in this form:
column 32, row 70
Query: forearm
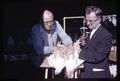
column 66, row 40
column 43, row 50
column 47, row 50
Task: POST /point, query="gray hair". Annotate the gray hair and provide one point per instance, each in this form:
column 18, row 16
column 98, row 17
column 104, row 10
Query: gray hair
column 95, row 9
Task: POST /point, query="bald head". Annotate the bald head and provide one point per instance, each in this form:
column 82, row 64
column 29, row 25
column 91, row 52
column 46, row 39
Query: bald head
column 48, row 19
column 47, row 15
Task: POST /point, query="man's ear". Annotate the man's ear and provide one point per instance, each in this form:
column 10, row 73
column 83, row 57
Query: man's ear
column 99, row 20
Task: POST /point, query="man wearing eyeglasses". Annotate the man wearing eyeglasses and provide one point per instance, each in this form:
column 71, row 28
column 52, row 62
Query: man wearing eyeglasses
column 46, row 35
column 96, row 47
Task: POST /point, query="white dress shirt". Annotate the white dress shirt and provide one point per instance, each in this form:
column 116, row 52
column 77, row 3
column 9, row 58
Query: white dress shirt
column 93, row 31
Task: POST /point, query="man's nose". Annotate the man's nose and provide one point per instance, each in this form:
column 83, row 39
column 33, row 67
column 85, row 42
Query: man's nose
column 49, row 24
column 88, row 23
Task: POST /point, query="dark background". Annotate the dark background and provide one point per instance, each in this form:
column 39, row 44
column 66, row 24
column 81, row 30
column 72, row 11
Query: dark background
column 18, row 19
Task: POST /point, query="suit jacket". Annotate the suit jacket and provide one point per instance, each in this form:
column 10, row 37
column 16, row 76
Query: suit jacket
column 96, row 54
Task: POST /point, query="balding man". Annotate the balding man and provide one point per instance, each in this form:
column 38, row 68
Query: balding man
column 45, row 36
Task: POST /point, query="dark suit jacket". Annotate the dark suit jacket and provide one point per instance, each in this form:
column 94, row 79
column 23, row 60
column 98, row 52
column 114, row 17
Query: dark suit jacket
column 96, row 54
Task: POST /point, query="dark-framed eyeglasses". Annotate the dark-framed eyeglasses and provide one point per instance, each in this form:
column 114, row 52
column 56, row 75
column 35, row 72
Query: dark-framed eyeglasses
column 91, row 21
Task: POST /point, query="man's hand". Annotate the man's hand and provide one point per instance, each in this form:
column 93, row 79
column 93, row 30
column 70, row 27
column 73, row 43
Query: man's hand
column 76, row 46
column 82, row 40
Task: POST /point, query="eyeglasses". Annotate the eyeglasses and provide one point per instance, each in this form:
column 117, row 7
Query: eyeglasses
column 91, row 21
column 49, row 22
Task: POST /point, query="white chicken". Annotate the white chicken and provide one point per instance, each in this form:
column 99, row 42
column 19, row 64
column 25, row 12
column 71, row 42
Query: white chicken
column 64, row 56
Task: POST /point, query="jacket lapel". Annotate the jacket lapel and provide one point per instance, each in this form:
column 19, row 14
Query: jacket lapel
column 96, row 32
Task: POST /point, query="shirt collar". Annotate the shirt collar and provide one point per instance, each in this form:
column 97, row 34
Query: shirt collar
column 96, row 28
